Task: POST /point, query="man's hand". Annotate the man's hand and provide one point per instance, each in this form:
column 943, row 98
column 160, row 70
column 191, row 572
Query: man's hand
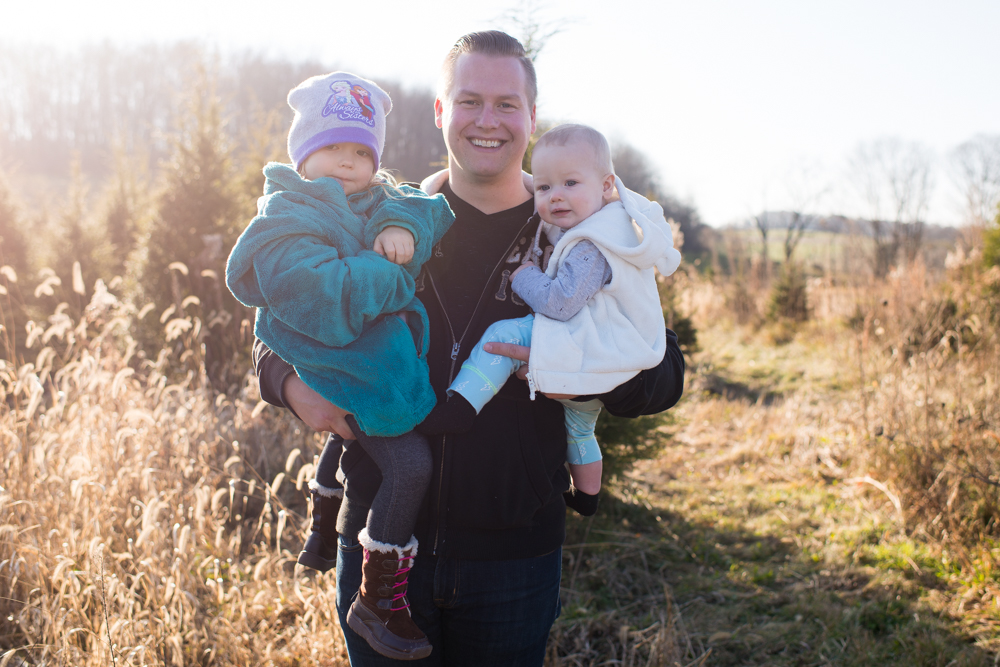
column 521, row 353
column 314, row 410
column 395, row 244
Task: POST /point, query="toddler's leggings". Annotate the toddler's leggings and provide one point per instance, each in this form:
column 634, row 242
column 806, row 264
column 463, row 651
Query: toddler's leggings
column 405, row 463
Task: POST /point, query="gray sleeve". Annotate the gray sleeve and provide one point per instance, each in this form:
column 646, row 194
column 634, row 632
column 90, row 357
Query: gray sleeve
column 582, row 274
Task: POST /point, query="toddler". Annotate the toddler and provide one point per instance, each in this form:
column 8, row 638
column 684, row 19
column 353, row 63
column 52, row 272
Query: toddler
column 598, row 319
column 330, row 263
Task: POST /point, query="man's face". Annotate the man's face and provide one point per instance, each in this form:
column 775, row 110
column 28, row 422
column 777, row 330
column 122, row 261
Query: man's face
column 485, row 116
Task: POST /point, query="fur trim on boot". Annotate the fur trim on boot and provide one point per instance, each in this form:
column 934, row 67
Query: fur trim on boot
column 320, row 550
column 381, row 547
column 325, row 491
column 380, row 613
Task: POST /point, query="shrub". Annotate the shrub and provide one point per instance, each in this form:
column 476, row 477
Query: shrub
column 991, row 242
column 788, row 297
column 932, row 420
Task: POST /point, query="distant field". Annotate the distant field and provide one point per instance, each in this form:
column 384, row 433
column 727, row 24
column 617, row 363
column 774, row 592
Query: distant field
column 830, row 252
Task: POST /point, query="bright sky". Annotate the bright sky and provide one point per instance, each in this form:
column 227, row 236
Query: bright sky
column 731, row 100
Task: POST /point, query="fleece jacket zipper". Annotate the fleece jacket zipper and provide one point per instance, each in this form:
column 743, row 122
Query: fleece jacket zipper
column 456, row 347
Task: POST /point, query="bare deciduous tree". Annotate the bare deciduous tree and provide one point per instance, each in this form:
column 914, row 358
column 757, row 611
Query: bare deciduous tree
column 975, row 169
column 807, row 188
column 894, row 179
column 763, row 224
column 525, row 21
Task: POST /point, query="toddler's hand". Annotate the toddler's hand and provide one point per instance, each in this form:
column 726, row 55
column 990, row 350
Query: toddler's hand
column 395, row 244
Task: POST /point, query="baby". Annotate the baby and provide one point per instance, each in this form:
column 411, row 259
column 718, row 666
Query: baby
column 314, row 264
column 598, row 319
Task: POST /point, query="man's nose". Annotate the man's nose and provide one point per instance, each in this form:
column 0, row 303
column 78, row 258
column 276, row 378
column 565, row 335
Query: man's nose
column 487, row 117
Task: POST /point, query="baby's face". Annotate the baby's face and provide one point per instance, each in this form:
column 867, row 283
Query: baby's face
column 569, row 186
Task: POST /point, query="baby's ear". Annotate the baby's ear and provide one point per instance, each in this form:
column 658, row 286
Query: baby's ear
column 608, row 188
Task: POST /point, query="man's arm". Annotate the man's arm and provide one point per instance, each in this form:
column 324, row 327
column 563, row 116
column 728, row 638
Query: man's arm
column 649, row 392
column 652, row 390
column 272, row 371
column 280, row 386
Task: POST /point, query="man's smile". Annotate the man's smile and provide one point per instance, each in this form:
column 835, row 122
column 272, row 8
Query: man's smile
column 486, row 143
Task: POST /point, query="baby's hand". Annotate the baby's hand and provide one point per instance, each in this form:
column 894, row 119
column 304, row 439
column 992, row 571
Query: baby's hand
column 395, row 244
column 522, row 267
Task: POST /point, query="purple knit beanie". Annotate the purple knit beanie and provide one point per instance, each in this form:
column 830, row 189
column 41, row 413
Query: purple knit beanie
column 335, row 108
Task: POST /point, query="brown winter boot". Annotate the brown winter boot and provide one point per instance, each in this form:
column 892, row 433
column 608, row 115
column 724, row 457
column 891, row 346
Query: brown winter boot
column 320, row 549
column 380, row 613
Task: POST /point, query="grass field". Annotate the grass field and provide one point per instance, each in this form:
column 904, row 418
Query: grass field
column 828, row 253
column 814, row 500
column 770, row 552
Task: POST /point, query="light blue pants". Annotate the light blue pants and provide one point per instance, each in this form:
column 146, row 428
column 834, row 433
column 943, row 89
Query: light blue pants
column 482, row 375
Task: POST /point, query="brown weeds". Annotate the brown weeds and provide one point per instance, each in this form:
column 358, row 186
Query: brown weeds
column 144, row 518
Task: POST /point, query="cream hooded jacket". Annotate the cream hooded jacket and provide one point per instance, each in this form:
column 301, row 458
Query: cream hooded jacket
column 621, row 329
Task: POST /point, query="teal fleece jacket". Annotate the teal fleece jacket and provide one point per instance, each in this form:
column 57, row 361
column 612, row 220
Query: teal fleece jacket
column 324, row 299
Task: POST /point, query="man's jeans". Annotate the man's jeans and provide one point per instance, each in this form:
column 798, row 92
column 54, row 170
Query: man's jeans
column 475, row 613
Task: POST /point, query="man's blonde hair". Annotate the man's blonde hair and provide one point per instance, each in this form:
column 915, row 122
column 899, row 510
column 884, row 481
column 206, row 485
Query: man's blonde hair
column 562, row 135
column 489, row 43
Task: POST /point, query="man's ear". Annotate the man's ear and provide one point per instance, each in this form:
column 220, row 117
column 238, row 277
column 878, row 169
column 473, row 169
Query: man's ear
column 532, row 119
column 438, row 113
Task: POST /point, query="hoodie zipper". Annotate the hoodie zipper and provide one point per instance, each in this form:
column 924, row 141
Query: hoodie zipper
column 456, row 347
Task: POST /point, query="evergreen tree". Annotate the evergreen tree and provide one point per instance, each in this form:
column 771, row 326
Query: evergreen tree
column 991, row 242
column 13, row 243
column 125, row 212
column 789, row 298
column 77, row 240
column 198, row 206
column 14, row 269
column 199, row 215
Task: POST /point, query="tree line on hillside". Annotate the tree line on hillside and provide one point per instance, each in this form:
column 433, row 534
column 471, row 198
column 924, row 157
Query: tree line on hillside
column 176, row 137
column 106, row 97
column 893, row 181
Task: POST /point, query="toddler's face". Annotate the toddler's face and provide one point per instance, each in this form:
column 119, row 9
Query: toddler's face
column 569, row 186
column 350, row 164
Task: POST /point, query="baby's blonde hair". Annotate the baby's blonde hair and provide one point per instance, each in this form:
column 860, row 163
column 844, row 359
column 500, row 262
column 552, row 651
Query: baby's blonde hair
column 562, row 135
column 384, row 179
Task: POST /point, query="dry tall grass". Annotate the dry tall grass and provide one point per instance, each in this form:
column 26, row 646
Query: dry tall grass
column 145, row 519
column 929, row 364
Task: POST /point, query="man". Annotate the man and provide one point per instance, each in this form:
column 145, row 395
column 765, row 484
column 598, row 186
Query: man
column 485, row 586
